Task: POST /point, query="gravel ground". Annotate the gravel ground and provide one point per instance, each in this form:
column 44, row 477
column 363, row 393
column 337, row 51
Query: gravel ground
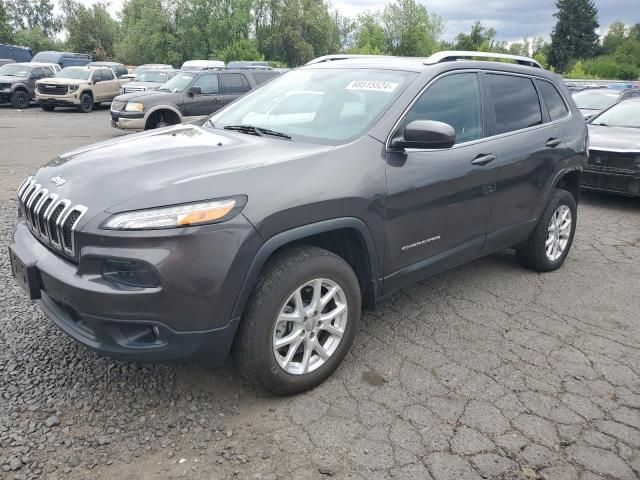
column 486, row 371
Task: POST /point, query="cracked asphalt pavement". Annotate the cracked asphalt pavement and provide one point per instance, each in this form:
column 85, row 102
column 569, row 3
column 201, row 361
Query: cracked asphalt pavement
column 486, row 371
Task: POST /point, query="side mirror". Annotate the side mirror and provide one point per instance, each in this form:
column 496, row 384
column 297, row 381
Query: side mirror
column 425, row 134
column 194, row 91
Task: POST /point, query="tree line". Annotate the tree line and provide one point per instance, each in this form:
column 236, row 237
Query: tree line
column 292, row 32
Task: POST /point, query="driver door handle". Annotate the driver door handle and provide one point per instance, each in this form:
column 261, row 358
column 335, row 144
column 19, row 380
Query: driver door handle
column 483, row 159
column 553, row 142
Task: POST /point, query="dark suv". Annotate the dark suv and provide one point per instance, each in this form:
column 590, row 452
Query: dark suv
column 186, row 97
column 265, row 229
column 18, row 82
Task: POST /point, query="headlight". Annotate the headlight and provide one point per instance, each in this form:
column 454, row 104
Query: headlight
column 134, row 107
column 184, row 215
column 73, row 88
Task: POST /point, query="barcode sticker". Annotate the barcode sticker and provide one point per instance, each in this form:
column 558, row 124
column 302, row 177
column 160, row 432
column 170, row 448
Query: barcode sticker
column 372, row 85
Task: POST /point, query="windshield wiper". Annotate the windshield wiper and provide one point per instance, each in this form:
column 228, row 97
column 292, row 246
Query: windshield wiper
column 259, row 131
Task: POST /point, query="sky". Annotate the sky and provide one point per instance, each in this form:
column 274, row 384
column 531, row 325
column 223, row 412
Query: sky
column 512, row 19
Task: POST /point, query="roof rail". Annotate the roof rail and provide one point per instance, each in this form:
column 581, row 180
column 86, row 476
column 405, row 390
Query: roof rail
column 452, row 55
column 331, row 58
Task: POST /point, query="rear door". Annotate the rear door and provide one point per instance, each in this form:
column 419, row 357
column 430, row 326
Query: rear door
column 233, row 85
column 206, row 102
column 529, row 147
column 110, row 85
column 439, row 201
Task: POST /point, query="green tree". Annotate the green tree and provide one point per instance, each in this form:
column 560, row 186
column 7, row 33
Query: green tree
column 89, row 29
column 243, row 49
column 615, row 37
column 410, row 29
column 574, row 35
column 37, row 40
column 29, row 14
column 479, row 39
column 369, row 36
column 148, row 34
column 6, row 32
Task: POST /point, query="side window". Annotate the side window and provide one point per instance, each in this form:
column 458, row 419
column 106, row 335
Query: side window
column 107, row 75
column 208, row 84
column 261, row 77
column 97, row 76
column 553, row 99
column 234, row 83
column 454, row 99
column 515, row 102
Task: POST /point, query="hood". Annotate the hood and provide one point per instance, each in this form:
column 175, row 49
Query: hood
column 148, row 85
column 614, row 138
column 177, row 164
column 148, row 96
column 62, row 81
column 5, row 79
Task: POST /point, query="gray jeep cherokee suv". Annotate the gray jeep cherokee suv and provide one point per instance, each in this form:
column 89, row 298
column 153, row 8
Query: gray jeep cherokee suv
column 264, row 230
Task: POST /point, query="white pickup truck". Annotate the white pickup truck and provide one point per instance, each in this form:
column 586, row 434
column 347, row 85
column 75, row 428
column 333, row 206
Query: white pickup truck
column 80, row 87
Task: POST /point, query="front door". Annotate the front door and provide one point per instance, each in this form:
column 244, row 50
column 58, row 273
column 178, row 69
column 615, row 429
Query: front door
column 439, row 201
column 206, row 102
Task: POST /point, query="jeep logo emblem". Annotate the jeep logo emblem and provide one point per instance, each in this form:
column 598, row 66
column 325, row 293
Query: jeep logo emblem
column 58, row 180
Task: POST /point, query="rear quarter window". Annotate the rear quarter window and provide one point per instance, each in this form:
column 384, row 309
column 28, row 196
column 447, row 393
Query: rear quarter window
column 234, row 83
column 262, row 77
column 515, row 103
column 555, row 104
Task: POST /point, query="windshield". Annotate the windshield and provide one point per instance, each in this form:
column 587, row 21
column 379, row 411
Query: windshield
column 326, row 105
column 625, row 114
column 178, row 83
column 12, row 70
column 595, row 100
column 151, row 76
column 74, row 73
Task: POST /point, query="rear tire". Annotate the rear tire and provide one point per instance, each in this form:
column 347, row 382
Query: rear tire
column 284, row 309
column 548, row 246
column 20, row 99
column 86, row 103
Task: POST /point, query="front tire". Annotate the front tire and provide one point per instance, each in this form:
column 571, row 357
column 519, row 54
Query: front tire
column 300, row 321
column 86, row 103
column 549, row 244
column 20, row 99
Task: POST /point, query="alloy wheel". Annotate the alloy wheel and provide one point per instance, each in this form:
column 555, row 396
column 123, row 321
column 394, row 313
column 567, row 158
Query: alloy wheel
column 310, row 326
column 558, row 233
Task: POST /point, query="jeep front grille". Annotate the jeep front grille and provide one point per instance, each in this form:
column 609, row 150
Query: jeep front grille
column 52, row 89
column 51, row 219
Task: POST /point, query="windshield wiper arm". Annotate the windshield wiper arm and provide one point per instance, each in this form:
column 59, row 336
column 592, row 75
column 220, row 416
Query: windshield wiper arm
column 251, row 130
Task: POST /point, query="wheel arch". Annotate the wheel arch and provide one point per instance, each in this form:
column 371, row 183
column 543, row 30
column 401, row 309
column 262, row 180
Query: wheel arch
column 347, row 237
column 570, row 181
column 159, row 108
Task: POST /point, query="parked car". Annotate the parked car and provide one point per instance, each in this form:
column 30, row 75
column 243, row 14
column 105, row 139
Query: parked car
column 18, row 82
column 80, row 87
column 186, row 97
column 201, row 64
column 593, row 101
column 118, row 68
column 150, row 79
column 269, row 238
column 15, row 53
column 148, row 66
column 249, row 64
column 55, row 68
column 614, row 152
column 64, row 59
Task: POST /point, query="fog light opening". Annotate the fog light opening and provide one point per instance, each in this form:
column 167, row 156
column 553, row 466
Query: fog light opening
column 132, row 273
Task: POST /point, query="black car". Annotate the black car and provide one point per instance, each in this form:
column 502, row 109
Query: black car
column 188, row 96
column 18, row 82
column 614, row 152
column 266, row 229
column 593, row 101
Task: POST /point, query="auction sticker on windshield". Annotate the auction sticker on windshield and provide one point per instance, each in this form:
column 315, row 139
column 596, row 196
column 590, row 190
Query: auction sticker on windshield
column 372, row 85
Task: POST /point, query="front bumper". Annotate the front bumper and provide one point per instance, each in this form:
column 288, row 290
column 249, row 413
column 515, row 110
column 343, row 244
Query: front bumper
column 185, row 317
column 127, row 120
column 58, row 100
column 611, row 180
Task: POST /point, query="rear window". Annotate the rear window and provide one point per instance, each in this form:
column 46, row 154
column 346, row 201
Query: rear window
column 553, row 99
column 515, row 102
column 234, row 83
column 261, row 77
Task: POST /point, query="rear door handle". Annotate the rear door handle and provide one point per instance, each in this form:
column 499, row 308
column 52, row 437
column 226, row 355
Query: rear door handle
column 483, row 159
column 553, row 142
